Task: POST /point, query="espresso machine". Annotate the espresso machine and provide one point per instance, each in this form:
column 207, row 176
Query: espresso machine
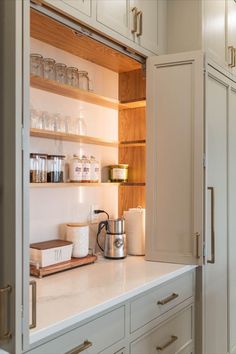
column 115, row 238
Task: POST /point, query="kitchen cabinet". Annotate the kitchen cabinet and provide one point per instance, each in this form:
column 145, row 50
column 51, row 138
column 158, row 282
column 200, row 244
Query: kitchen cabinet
column 231, row 218
column 210, row 162
column 80, row 9
column 231, row 34
column 175, row 158
column 140, row 25
column 215, row 269
column 116, row 15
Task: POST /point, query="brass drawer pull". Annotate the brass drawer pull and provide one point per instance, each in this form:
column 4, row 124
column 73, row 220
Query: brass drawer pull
column 212, row 259
column 5, row 333
column 140, row 32
column 232, row 56
column 81, row 347
column 167, row 299
column 134, row 11
column 34, row 303
column 171, row 341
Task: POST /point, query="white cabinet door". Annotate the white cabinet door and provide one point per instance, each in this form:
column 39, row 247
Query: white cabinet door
column 174, row 212
column 11, row 265
column 231, row 218
column 231, row 31
column 215, row 270
column 79, row 9
column 215, row 29
column 115, row 15
column 147, row 35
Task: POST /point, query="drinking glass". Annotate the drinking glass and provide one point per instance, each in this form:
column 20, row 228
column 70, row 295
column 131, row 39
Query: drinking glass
column 72, row 77
column 83, row 80
column 49, row 68
column 60, row 123
column 48, row 121
column 60, row 72
column 36, row 64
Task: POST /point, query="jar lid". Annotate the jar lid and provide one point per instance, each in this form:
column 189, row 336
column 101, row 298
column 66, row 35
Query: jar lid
column 35, row 154
column 58, row 156
column 74, row 224
column 83, row 72
column 61, row 64
column 119, row 166
column 72, row 68
column 36, row 55
column 49, row 59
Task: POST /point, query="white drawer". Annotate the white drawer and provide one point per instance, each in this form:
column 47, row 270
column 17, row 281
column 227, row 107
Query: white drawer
column 172, row 337
column 147, row 307
column 102, row 333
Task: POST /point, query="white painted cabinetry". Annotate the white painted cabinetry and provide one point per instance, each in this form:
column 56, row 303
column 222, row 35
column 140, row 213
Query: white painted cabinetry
column 175, row 158
column 80, row 9
column 231, row 217
column 215, row 269
column 231, row 34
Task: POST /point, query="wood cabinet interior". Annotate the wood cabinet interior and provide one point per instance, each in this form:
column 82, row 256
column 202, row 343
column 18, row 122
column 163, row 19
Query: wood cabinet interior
column 132, row 127
column 131, row 103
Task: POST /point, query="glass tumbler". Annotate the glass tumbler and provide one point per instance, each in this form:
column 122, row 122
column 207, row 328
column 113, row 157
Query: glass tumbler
column 83, row 80
column 60, row 72
column 60, row 123
column 49, row 68
column 36, row 64
column 72, row 77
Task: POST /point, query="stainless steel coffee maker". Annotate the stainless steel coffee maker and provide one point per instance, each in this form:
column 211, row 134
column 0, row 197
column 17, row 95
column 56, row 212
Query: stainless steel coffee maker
column 115, row 238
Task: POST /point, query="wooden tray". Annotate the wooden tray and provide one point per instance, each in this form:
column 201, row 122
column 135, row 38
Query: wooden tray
column 55, row 268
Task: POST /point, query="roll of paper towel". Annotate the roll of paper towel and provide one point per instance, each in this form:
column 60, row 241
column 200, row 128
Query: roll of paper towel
column 135, row 231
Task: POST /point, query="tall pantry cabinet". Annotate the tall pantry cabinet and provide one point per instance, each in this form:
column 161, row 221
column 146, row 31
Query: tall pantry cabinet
column 191, row 183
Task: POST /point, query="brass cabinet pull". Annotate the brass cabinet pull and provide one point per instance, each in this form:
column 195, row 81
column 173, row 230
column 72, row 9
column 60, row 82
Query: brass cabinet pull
column 212, row 259
column 80, row 348
column 34, row 303
column 232, row 56
column 171, row 341
column 5, row 333
column 134, row 11
column 197, row 234
column 167, row 299
column 140, row 16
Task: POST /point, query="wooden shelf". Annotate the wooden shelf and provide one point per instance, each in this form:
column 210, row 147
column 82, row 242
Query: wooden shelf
column 82, row 95
column 137, row 143
column 74, row 184
column 71, row 137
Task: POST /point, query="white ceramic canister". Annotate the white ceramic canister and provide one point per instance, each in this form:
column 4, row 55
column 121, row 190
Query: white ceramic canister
column 135, row 231
column 79, row 235
column 75, row 169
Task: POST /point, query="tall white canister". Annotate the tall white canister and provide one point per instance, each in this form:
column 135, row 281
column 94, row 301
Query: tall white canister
column 135, row 231
column 78, row 234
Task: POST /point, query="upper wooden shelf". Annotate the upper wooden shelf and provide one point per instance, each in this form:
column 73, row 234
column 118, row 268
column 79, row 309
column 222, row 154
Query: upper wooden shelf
column 71, row 137
column 75, row 184
column 76, row 93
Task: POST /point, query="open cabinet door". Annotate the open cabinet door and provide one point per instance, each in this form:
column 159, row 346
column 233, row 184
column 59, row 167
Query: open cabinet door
column 11, row 265
column 175, row 158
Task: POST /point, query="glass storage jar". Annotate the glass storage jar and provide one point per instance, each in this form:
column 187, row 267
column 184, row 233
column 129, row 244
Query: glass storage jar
column 60, row 72
column 75, row 169
column 86, row 169
column 49, row 68
column 60, row 123
column 55, row 172
column 38, row 168
column 72, row 77
column 94, row 170
column 36, row 64
column 83, row 80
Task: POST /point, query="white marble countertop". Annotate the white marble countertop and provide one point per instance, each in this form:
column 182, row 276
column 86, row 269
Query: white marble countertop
column 67, row 298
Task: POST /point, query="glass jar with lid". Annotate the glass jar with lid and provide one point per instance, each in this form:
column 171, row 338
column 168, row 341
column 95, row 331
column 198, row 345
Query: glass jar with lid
column 60, row 72
column 83, row 80
column 38, row 168
column 94, row 170
column 75, row 169
column 55, row 168
column 72, row 77
column 118, row 173
column 86, row 169
column 49, row 68
column 36, row 64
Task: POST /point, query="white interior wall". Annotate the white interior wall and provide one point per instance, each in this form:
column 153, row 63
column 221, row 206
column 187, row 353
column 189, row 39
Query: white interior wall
column 51, row 208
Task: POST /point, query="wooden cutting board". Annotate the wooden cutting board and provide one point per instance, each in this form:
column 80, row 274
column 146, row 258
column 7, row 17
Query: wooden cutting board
column 52, row 269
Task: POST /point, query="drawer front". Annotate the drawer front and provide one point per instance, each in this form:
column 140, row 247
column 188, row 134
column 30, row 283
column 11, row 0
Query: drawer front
column 172, row 337
column 91, row 338
column 146, row 308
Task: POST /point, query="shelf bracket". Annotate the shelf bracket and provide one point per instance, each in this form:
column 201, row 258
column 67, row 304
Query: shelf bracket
column 5, row 333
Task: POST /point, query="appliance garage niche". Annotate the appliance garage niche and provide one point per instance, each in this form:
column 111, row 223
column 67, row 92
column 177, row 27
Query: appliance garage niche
column 75, row 132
